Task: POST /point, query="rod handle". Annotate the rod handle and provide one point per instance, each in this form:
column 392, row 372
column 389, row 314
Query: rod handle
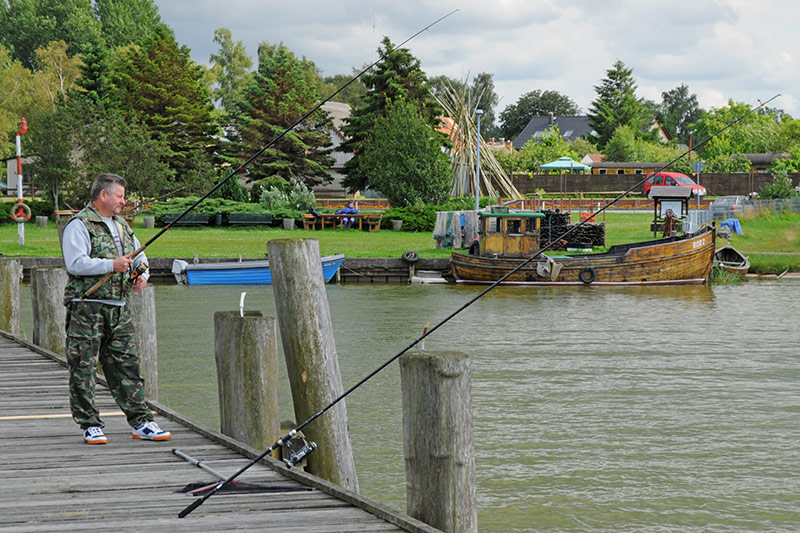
column 108, row 276
column 191, row 507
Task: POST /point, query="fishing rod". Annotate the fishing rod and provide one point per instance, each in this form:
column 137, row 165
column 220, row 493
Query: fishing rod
column 261, row 151
column 427, row 331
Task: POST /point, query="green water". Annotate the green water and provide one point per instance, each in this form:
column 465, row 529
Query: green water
column 596, row 409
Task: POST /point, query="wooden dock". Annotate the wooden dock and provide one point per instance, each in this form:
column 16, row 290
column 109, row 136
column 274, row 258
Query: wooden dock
column 53, row 481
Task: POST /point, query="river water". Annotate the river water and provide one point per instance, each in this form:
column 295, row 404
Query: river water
column 595, row 409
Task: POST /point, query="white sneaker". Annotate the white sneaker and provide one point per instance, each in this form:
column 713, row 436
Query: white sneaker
column 94, row 435
column 150, row 431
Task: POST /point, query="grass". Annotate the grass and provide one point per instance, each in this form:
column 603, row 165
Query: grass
column 765, row 232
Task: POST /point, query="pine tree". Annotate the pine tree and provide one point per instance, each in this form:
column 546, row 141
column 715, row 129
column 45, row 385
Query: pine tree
column 397, row 75
column 616, row 104
column 229, row 68
column 160, row 85
column 282, row 90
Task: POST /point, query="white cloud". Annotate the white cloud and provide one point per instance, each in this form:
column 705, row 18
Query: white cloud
column 721, row 49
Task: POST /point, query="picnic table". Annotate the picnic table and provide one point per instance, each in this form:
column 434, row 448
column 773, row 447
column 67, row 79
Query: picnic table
column 368, row 221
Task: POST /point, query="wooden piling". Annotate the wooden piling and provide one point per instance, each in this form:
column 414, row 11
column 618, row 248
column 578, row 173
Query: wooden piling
column 49, row 311
column 41, row 222
column 143, row 308
column 10, row 277
column 438, row 440
column 304, row 319
column 246, row 352
column 149, row 222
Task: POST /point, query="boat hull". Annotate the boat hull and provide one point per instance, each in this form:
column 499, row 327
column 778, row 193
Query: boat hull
column 245, row 273
column 730, row 259
column 684, row 260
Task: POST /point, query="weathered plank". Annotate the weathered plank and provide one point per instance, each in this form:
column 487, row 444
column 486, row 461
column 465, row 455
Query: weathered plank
column 53, row 481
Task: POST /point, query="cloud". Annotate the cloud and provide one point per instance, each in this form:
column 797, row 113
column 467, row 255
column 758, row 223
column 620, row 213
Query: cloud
column 721, row 49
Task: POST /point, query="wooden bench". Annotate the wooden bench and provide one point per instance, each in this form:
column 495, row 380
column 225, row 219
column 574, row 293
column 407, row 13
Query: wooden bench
column 369, row 222
column 249, row 219
column 191, row 219
column 65, row 213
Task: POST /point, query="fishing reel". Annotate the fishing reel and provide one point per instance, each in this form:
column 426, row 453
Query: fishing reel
column 296, row 450
column 140, row 269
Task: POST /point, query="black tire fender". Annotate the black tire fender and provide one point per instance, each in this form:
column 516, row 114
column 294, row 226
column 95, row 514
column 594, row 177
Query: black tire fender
column 587, row 275
column 410, row 256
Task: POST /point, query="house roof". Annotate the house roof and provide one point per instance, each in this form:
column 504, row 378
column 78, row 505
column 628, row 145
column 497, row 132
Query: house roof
column 571, row 128
column 619, row 164
column 339, row 112
column 765, row 159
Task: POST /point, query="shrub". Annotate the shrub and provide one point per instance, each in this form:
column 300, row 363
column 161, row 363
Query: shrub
column 41, row 208
column 422, row 217
column 781, row 187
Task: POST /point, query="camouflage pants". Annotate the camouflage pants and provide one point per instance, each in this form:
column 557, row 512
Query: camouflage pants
column 104, row 333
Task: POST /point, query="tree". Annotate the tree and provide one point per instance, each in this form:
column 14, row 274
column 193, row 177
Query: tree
column 57, row 74
column 125, row 22
column 536, row 103
column 678, row 111
column 402, row 156
column 396, row 75
column 754, row 134
column 229, row 68
column 26, row 25
column 16, row 83
column 82, row 138
column 353, row 94
column 161, row 86
column 282, row 90
column 627, row 145
column 486, row 99
column 616, row 104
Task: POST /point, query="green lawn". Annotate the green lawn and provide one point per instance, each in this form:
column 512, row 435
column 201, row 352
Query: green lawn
column 765, row 233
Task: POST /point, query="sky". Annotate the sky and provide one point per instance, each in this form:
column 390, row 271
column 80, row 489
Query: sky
column 745, row 50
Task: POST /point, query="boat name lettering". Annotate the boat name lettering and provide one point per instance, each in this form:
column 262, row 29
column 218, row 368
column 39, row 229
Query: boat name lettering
column 699, row 244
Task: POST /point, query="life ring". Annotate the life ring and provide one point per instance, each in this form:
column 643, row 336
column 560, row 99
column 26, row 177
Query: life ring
column 410, row 256
column 587, row 275
column 23, row 213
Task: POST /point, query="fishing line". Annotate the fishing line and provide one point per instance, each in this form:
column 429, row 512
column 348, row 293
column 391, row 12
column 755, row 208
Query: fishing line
column 261, row 151
column 428, row 331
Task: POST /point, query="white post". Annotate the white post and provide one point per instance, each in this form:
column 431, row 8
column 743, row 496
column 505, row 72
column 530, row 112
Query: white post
column 20, row 225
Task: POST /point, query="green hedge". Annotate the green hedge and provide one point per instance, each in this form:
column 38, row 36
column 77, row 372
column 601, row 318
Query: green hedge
column 40, row 208
column 209, row 206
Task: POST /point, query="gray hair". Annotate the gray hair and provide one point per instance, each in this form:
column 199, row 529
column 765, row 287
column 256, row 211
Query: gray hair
column 106, row 182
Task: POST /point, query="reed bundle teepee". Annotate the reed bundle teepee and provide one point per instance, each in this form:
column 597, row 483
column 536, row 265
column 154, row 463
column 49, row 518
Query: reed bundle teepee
column 458, row 106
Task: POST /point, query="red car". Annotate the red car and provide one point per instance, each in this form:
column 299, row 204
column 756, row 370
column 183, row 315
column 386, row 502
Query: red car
column 675, row 179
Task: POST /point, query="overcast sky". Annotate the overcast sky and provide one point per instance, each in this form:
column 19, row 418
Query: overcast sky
column 744, row 50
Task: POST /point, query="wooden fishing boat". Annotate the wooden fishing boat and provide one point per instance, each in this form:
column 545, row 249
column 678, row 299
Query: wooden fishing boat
column 732, row 260
column 508, row 239
column 240, row 272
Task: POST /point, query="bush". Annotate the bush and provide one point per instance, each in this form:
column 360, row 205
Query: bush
column 292, row 203
column 231, row 190
column 423, row 217
column 781, row 187
column 209, row 206
column 41, row 208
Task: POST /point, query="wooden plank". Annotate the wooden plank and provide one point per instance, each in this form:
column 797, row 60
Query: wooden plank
column 53, row 481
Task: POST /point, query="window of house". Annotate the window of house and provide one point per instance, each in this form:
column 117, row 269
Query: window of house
column 620, row 171
column 638, row 171
column 602, row 170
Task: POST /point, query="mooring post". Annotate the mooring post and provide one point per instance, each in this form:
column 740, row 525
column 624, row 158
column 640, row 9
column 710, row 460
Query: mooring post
column 304, row 319
column 143, row 308
column 49, row 311
column 246, row 352
column 438, row 441
column 10, row 277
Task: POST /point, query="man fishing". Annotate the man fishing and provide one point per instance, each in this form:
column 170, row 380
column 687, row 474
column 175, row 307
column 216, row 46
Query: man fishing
column 96, row 242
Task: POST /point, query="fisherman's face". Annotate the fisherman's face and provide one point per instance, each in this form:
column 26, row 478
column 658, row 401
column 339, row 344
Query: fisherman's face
column 109, row 204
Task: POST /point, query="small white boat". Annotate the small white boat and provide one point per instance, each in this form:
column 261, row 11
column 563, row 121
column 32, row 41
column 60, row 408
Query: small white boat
column 240, row 272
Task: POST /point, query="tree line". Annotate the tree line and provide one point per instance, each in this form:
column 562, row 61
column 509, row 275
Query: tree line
column 105, row 86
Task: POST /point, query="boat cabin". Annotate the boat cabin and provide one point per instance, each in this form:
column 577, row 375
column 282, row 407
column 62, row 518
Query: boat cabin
column 509, row 234
column 669, row 200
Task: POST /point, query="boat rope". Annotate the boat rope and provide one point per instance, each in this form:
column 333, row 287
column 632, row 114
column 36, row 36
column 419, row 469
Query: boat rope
column 448, row 318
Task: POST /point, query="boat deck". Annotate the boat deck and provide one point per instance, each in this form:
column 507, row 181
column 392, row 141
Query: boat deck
column 53, row 481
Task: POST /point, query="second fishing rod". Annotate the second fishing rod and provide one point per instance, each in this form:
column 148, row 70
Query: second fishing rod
column 428, row 331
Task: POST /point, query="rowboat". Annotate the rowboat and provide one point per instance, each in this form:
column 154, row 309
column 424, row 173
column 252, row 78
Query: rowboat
column 731, row 260
column 511, row 239
column 240, row 272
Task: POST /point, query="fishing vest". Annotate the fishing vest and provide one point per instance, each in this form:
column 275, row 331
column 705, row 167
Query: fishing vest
column 103, row 246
